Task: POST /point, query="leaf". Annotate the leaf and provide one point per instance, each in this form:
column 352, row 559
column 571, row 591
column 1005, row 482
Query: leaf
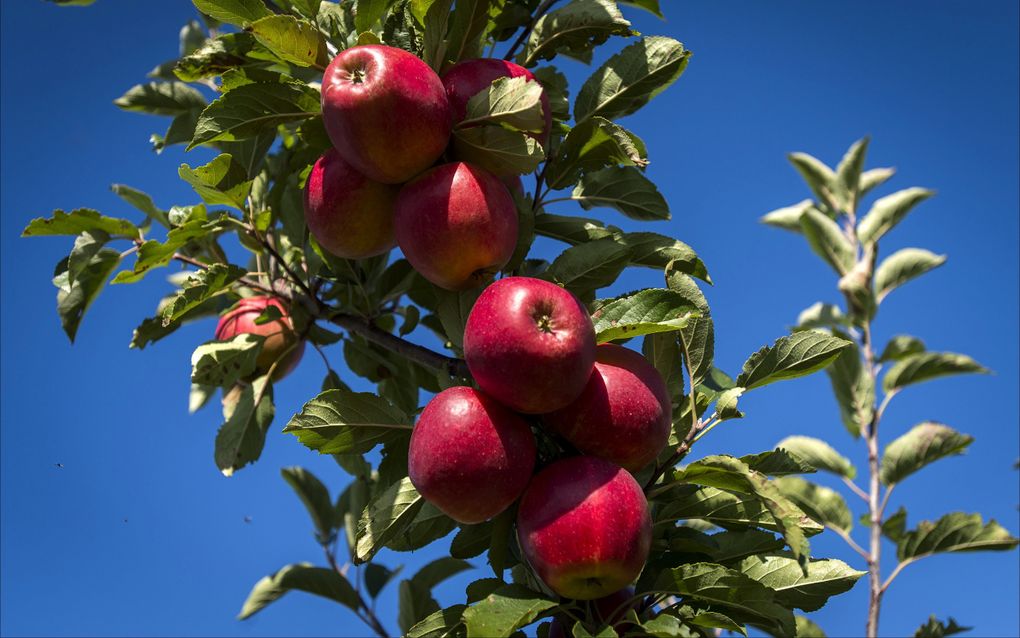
column 718, row 585
column 445, row 623
column 237, row 12
column 848, row 172
column 498, row 149
column 453, row 309
column 698, row 336
column 585, row 268
column 387, row 515
column 248, row 411
column 822, row 504
column 556, row 90
column 573, row 30
column 572, row 230
column 806, row 628
column 86, row 246
column 152, row 254
column 789, row 357
column 663, row 351
column 594, row 144
column 901, row 346
column 78, row 221
column 141, row 201
column 651, row 6
column 377, row 577
column 956, row 532
column 924, row 444
column 201, row 286
column 902, row 266
column 512, row 102
column 220, row 182
column 819, row 177
column 645, row 312
column 777, row 462
column 854, row 388
column 223, row 363
column 341, row 422
column 416, row 601
column 505, row 611
column 75, row 298
column 316, row 498
column 781, row 573
column 623, row 188
column 821, row 315
column 215, row 57
column 734, row 545
column 894, row 527
column 301, row 577
column 726, row 404
column 661, row 252
column 471, row 540
column 161, row 98
column 251, row 109
column 873, row 178
column 724, row 509
column 888, row 211
column 296, row 41
column 827, row 240
column 819, row 455
column 788, row 218
column 466, row 25
column 631, row 78
column 925, row 366
column 935, row 628
column 715, row 620
column 368, row 13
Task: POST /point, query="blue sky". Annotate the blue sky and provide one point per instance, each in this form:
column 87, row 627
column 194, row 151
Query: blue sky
column 139, row 534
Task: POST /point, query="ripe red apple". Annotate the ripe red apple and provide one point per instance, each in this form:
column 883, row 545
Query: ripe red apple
column 608, row 610
column 530, row 344
column 584, row 527
column 386, row 112
column 457, row 225
column 467, row 78
column 279, row 334
column 350, row 215
column 470, row 456
column 624, row 413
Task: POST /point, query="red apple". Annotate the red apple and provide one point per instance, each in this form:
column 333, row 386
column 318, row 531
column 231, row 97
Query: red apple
column 350, row 215
column 279, row 334
column 385, row 111
column 470, row 456
column 624, row 413
column 584, row 527
column 530, row 344
column 467, row 78
column 457, row 225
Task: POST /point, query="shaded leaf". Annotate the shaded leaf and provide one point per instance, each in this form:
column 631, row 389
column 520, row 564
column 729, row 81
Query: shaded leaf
column 781, row 573
column 901, row 346
column 644, row 312
column 223, row 363
column 301, row 577
column 584, row 268
column 296, row 41
column 827, row 240
column 445, row 623
column 594, row 144
column 201, row 286
column 504, row 611
column 75, row 297
column 251, row 109
column 788, row 218
column 498, row 149
column 340, row 422
column 78, row 221
column 819, row 455
column 574, row 30
column 956, row 532
column 387, row 515
column 935, row 628
column 248, row 411
column 902, row 266
column 925, row 443
column 824, row 505
column 623, row 188
column 315, row 497
column 789, row 357
column 888, row 211
column 161, row 98
column 925, row 366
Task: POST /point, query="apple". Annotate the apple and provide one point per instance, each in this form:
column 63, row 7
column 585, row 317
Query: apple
column 584, row 527
column 470, row 456
column 467, row 78
column 385, row 111
column 457, row 225
column 530, row 344
column 608, row 610
column 279, row 334
column 622, row 415
column 350, row 215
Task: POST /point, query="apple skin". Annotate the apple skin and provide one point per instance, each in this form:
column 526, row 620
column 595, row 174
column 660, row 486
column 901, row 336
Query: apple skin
column 457, row 225
column 385, row 111
column 279, row 334
column 584, row 527
column 624, row 413
column 608, row 610
column 350, row 215
column 469, row 77
column 530, row 344
column 470, row 456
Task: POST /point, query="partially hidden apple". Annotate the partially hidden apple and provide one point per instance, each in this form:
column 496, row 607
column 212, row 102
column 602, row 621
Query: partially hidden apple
column 584, row 527
column 624, row 413
column 350, row 215
column 281, row 342
column 457, row 225
column 608, row 610
column 470, row 456
column 530, row 344
column 385, row 111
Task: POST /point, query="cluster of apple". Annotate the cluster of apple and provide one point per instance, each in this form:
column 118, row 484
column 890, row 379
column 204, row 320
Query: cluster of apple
column 583, row 521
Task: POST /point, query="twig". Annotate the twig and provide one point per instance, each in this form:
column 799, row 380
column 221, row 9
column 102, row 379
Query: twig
column 539, row 12
column 855, row 489
column 368, row 616
column 849, row 541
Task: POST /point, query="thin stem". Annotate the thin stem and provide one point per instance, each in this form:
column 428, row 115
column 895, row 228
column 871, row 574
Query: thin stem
column 689, row 438
column 896, row 572
column 367, row 616
column 849, row 541
column 855, row 489
column 885, row 500
column 539, row 12
column 874, row 505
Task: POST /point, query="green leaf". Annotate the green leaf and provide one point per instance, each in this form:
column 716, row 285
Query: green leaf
column 445, row 623
column 724, row 508
column 316, row 498
column 819, row 177
column 152, row 254
column 819, row 454
column 248, row 110
column 498, row 149
column 827, row 240
column 789, row 357
column 822, row 504
column 925, row 443
column 466, row 25
column 935, row 628
column 873, row 178
column 416, row 601
column 901, row 346
column 199, row 288
column 925, row 366
column 894, row 527
column 645, row 312
column 777, row 462
column 236, row 12
column 388, row 514
column 651, row 6
column 377, row 577
column 471, row 540
column 78, row 221
column 585, row 268
column 888, row 211
column 788, row 218
column 854, row 388
column 848, row 172
column 781, row 573
column 296, row 41
column 220, row 182
column 556, row 90
column 726, row 404
column 223, row 363
column 75, row 297
column 902, row 266
column 215, row 57
column 341, row 422
column 574, row 30
column 301, row 577
column 730, row 589
column 715, row 620
column 734, row 545
column 594, row 144
column 807, row 628
column 512, row 102
column 505, row 611
column 663, row 351
column 248, row 411
column 623, row 188
column 664, row 253
column 631, row 78
column 821, row 315
column 368, row 13
column 453, row 309
column 572, row 230
column 428, row 525
column 161, row 98
column 698, row 336
column 141, row 201
column 86, row 246
column 956, row 532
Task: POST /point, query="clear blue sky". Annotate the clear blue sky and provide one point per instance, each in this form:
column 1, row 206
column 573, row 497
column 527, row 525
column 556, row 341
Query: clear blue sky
column 139, row 534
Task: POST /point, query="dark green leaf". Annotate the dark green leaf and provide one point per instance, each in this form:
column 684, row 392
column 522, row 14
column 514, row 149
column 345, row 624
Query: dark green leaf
column 556, row 90
column 585, row 268
column 901, row 346
column 201, row 286
column 74, row 298
column 77, row 222
column 574, row 30
column 237, row 12
column 445, row 623
column 388, row 514
column 956, row 532
column 248, row 411
column 248, row 110
column 641, row 313
column 215, row 57
column 594, row 144
column 777, row 462
column 827, row 240
column 935, row 628
column 925, row 366
column 854, row 388
column 377, row 577
column 789, row 357
column 781, row 573
column 471, row 540
column 316, row 498
column 303, row 577
column 822, row 504
column 161, row 98
column 339, row 421
column 819, row 455
column 498, row 149
column 652, row 6
column 466, row 25
column 925, row 443
column 623, row 188
column 505, row 611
